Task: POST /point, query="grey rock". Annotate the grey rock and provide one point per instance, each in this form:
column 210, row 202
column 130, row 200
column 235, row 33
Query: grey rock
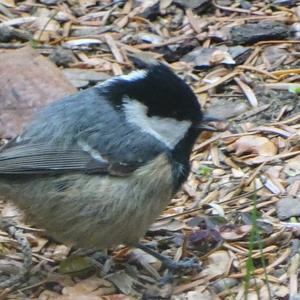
column 8, row 33
column 224, row 284
column 288, row 207
column 262, row 31
column 62, row 57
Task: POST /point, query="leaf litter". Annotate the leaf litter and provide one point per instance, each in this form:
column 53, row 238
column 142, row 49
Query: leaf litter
column 238, row 211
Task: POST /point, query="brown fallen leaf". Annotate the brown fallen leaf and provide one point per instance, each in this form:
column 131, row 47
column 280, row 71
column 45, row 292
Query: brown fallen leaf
column 253, row 144
column 27, row 82
column 93, row 287
column 235, row 233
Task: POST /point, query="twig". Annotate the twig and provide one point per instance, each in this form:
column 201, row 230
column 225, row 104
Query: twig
column 17, row 234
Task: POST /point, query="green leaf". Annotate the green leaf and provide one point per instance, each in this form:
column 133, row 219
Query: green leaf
column 294, row 89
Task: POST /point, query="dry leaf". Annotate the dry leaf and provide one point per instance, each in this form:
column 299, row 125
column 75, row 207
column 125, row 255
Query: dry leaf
column 92, row 286
column 253, row 144
column 235, row 233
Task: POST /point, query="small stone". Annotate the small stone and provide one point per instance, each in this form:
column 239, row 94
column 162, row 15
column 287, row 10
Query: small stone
column 288, row 207
column 62, row 57
column 8, row 33
column 224, row 284
column 262, row 31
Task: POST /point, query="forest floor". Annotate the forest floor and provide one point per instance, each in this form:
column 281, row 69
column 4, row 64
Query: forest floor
column 239, row 210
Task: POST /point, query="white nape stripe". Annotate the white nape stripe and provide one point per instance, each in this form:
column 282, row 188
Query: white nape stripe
column 168, row 130
column 133, row 76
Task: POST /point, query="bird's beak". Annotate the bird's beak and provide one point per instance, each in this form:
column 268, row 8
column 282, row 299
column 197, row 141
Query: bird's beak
column 206, row 118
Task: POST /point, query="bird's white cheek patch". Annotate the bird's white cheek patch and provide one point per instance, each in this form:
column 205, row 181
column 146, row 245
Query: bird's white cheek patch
column 168, row 130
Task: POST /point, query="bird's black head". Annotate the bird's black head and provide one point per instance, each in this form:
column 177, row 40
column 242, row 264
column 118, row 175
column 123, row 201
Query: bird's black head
column 163, row 93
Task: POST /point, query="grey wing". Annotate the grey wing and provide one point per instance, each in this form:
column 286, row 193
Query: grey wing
column 44, row 159
column 80, row 133
column 40, row 159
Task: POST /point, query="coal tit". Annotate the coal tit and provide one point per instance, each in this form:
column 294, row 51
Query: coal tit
column 96, row 168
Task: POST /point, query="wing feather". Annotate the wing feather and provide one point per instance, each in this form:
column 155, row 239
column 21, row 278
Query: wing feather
column 40, row 159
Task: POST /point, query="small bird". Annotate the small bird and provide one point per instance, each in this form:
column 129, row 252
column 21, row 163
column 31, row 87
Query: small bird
column 96, row 168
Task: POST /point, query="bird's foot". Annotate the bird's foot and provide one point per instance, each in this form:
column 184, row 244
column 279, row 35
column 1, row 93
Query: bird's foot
column 168, row 263
column 184, row 264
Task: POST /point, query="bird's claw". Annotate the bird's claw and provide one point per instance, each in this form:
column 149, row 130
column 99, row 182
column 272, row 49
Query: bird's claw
column 186, row 263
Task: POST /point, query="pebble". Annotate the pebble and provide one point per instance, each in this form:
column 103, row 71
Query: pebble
column 62, row 57
column 288, row 207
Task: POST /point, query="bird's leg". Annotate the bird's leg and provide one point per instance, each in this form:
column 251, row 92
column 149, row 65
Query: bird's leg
column 170, row 264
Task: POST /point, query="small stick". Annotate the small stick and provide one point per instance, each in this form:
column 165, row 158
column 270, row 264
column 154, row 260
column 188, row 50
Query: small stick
column 18, row 234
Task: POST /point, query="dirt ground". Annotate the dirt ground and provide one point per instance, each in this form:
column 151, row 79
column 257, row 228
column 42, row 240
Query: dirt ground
column 238, row 213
